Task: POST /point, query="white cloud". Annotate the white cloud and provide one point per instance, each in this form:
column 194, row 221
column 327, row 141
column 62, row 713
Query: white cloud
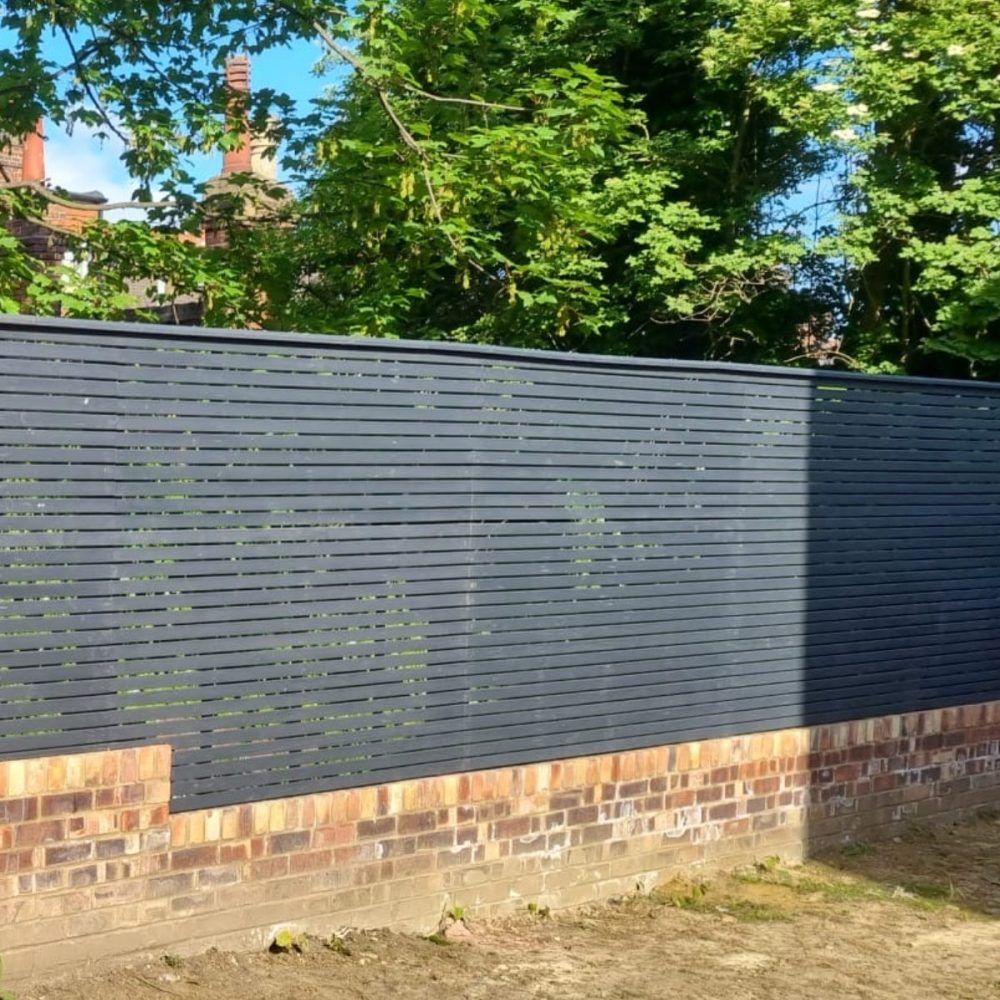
column 81, row 162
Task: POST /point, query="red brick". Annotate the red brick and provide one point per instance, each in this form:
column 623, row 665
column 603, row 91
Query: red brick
column 376, row 828
column 158, row 815
column 245, row 821
column 12, row 862
column 288, row 843
column 516, row 826
column 81, row 877
column 582, row 815
column 18, row 810
column 130, row 820
column 229, row 853
column 603, row 799
column 65, row 803
column 44, row 832
column 421, row 822
column 397, row 846
column 488, row 811
column 885, row 782
column 133, row 794
column 117, row 869
column 633, row 789
column 111, row 848
column 335, row 836
column 720, row 775
column 65, row 854
column 48, row 881
column 680, row 799
column 310, row 861
column 529, row 845
column 436, row 839
column 726, row 810
column 195, row 857
column 567, row 800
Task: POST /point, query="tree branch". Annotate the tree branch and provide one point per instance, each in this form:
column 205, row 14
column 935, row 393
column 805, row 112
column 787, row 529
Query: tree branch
column 471, row 102
column 56, row 199
column 349, row 57
column 51, row 227
column 95, row 99
column 838, row 355
column 404, row 133
column 409, row 140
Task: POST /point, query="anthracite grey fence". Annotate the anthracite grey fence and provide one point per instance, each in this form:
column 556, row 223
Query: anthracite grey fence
column 311, row 563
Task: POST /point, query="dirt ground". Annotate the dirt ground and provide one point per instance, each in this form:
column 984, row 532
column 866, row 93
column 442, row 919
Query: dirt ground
column 915, row 918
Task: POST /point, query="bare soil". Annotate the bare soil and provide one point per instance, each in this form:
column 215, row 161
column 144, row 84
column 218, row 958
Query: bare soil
column 915, row 918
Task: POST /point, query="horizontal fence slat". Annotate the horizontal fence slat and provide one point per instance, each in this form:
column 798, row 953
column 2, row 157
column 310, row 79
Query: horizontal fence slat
column 482, row 609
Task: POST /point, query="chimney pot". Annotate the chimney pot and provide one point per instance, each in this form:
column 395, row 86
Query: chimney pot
column 238, row 73
column 239, row 160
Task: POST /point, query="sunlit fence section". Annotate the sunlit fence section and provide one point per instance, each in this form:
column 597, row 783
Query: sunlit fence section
column 311, row 563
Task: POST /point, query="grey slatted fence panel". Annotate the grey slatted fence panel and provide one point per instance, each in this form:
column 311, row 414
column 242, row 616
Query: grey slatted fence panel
column 311, row 563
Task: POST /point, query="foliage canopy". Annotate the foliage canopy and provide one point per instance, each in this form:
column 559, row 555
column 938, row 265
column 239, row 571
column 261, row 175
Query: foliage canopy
column 765, row 180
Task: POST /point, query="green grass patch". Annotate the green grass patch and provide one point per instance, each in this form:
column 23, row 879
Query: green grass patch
column 833, row 886
column 700, row 897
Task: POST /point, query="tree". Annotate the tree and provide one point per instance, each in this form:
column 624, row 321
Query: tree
column 482, row 175
column 599, row 174
column 907, row 94
column 508, row 173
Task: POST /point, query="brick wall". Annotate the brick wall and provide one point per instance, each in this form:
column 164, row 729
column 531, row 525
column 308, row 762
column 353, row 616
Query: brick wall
column 11, row 158
column 93, row 865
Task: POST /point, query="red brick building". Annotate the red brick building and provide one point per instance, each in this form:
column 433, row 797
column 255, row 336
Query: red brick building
column 22, row 161
column 241, row 194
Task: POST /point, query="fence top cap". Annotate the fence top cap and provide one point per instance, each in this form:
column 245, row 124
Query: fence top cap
column 488, row 353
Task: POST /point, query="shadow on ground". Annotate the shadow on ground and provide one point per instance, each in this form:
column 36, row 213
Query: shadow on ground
column 948, row 868
column 956, row 862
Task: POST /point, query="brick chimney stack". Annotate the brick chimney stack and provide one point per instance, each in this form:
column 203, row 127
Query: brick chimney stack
column 239, row 160
column 33, row 161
